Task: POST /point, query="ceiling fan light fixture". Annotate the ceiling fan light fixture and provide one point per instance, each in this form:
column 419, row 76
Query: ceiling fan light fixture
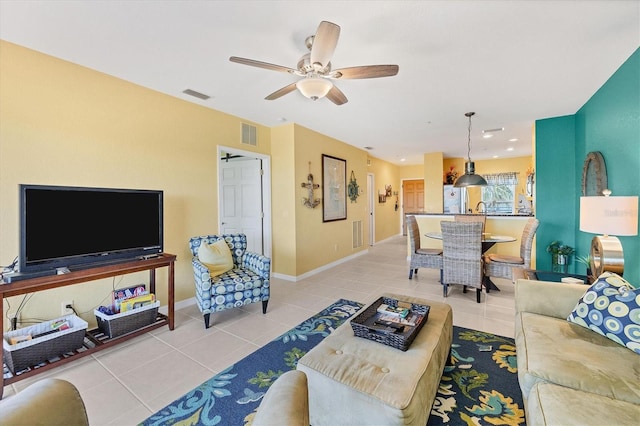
column 314, row 87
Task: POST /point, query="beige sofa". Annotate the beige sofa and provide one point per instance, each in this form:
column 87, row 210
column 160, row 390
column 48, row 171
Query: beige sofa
column 569, row 374
column 46, row 402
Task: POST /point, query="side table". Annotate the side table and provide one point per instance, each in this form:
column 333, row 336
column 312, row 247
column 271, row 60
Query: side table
column 530, row 274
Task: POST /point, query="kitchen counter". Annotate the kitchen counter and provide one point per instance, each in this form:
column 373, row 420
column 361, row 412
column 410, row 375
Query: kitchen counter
column 419, row 213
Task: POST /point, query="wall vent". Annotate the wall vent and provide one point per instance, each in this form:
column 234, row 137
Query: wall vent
column 196, row 94
column 249, row 136
column 357, row 233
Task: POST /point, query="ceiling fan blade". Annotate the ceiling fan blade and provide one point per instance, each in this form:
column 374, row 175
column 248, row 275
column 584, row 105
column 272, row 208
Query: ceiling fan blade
column 324, row 43
column 259, row 64
column 281, row 92
column 336, row 96
column 366, row 71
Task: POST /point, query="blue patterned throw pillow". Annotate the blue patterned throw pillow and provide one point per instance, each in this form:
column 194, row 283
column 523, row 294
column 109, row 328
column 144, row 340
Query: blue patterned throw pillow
column 611, row 307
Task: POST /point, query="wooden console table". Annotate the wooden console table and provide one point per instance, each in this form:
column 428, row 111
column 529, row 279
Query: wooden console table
column 93, row 340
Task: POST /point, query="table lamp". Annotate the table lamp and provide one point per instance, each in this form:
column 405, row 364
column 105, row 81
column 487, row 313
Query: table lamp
column 608, row 216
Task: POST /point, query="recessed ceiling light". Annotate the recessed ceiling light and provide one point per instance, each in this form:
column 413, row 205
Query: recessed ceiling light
column 510, row 148
column 513, row 140
column 403, row 159
column 496, row 156
column 487, row 136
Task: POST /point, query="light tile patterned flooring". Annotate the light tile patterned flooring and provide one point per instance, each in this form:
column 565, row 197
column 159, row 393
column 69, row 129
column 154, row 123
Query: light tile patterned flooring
column 125, row 384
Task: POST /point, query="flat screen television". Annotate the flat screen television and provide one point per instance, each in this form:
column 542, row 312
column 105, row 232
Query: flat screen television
column 75, row 227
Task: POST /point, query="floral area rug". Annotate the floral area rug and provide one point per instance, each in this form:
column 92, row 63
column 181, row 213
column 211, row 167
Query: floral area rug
column 480, row 387
column 232, row 396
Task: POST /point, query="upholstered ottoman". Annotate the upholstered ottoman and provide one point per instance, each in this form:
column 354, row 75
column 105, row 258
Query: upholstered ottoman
column 357, row 381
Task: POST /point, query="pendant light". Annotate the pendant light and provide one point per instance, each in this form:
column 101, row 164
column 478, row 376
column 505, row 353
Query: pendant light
column 469, row 178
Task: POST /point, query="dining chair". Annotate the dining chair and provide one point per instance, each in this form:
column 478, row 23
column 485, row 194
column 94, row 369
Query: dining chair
column 472, row 218
column 462, row 256
column 501, row 266
column 421, row 257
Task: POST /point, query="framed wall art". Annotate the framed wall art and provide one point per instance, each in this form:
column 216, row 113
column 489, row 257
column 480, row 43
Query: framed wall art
column 334, row 188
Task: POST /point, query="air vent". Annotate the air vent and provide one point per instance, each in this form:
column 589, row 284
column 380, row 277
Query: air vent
column 249, row 136
column 196, row 94
column 357, row 233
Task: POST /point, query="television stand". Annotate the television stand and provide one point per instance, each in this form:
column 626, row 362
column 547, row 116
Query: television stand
column 20, row 276
column 93, row 340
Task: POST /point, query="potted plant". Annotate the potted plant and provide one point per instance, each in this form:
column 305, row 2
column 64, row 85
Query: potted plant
column 560, row 255
column 452, row 175
column 586, row 261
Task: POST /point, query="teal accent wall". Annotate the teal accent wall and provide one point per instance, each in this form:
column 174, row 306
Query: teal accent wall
column 610, row 123
column 555, row 183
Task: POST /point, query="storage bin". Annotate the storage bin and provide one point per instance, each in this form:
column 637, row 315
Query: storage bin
column 30, row 353
column 363, row 325
column 126, row 322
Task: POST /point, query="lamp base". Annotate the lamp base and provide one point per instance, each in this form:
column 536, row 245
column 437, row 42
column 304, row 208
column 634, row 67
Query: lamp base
column 606, row 255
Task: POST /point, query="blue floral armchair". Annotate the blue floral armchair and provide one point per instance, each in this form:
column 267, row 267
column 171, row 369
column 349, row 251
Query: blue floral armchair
column 247, row 282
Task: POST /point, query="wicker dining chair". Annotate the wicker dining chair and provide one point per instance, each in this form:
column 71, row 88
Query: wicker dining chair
column 500, row 265
column 482, row 218
column 462, row 256
column 421, row 257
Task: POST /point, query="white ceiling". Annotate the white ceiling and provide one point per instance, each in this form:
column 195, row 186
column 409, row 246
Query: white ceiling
column 511, row 62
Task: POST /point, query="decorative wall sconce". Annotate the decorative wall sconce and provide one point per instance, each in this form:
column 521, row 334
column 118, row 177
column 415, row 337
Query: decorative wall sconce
column 310, row 186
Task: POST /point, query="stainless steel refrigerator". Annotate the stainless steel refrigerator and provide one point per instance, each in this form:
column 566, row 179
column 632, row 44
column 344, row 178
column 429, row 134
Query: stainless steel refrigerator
column 454, row 199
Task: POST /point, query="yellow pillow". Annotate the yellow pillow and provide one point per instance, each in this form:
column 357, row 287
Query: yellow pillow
column 216, row 257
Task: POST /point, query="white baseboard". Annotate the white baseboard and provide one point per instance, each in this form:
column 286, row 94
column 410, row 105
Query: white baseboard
column 178, row 305
column 318, row 270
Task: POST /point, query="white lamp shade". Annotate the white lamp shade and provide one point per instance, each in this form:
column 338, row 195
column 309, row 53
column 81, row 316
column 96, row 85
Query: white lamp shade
column 609, row 215
column 314, row 87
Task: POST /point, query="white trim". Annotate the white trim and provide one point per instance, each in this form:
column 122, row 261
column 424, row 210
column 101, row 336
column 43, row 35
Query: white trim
column 266, row 191
column 371, row 208
column 318, row 270
column 178, row 305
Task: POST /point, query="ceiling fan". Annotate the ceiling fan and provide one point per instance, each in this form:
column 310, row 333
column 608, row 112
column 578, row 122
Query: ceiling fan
column 315, row 67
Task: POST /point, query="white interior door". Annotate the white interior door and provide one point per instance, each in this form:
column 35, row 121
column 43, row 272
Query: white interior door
column 372, row 208
column 241, row 200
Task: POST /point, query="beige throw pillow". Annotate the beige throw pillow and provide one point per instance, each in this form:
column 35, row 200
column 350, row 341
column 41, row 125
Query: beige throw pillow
column 216, row 257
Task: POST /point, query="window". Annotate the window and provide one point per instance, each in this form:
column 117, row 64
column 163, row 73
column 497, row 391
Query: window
column 499, row 194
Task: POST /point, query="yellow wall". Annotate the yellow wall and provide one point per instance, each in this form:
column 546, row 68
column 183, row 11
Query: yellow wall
column 284, row 200
column 433, row 195
column 388, row 220
column 319, row 243
column 411, row 172
column 64, row 124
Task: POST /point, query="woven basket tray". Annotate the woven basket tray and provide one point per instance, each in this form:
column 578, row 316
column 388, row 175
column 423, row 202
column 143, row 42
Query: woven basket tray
column 120, row 324
column 363, row 325
column 35, row 351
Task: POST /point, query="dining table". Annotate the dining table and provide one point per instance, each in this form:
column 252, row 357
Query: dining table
column 488, row 241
